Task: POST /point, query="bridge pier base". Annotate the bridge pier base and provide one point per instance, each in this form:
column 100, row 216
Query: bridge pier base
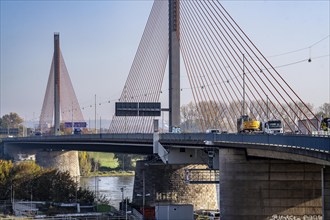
column 164, row 183
column 259, row 188
column 326, row 192
column 61, row 160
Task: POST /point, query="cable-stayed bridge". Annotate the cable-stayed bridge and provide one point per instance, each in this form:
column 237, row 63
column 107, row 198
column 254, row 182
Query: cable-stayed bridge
column 228, row 74
column 260, row 175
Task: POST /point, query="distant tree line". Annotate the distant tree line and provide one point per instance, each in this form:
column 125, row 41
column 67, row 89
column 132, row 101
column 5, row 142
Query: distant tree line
column 193, row 121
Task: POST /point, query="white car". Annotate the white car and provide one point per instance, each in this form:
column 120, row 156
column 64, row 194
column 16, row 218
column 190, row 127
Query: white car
column 213, row 130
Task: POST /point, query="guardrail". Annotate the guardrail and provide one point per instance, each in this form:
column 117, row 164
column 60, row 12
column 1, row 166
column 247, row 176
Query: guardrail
column 315, row 143
column 321, row 143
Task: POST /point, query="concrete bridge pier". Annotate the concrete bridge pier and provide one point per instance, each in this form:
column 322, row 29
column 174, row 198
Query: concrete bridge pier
column 326, row 192
column 17, row 153
column 61, row 160
column 164, row 183
column 254, row 188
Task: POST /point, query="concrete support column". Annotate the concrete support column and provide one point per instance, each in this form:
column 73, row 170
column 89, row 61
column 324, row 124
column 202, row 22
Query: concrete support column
column 61, row 160
column 326, row 192
column 256, row 188
column 57, row 80
column 160, row 183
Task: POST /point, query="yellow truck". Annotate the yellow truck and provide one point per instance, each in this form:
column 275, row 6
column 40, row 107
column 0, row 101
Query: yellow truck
column 247, row 124
column 325, row 124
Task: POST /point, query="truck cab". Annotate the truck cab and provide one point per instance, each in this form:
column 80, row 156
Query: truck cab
column 325, row 124
column 273, row 127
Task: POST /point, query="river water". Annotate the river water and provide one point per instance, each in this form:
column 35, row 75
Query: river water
column 110, row 187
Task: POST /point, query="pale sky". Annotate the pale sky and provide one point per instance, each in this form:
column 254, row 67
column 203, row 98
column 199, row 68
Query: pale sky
column 99, row 39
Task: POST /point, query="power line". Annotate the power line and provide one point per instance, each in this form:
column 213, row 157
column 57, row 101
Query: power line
column 297, row 50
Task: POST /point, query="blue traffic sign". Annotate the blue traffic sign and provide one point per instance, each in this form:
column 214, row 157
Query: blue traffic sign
column 75, row 124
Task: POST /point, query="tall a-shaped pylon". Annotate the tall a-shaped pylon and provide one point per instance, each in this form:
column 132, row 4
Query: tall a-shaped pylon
column 60, row 102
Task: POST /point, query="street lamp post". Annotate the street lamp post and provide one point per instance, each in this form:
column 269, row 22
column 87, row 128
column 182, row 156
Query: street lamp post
column 96, row 189
column 122, row 196
column 143, row 192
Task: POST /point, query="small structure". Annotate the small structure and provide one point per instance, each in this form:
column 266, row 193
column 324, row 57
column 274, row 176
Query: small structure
column 175, row 211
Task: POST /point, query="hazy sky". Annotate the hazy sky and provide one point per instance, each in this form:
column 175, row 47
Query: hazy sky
column 99, row 39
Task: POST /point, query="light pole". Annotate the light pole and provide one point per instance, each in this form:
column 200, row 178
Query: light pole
column 100, row 125
column 122, row 196
column 95, row 115
column 143, row 192
column 126, row 209
column 72, row 129
column 96, row 185
column 267, row 108
column 12, row 197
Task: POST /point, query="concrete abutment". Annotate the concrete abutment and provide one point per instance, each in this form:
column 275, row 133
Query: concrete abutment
column 61, row 160
column 260, row 188
column 326, row 192
column 165, row 184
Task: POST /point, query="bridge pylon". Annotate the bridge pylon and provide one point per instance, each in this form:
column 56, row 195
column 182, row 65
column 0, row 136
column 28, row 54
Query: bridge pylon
column 174, row 64
column 60, row 102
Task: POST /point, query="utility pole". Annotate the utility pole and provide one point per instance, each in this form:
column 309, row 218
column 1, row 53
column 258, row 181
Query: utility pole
column 100, row 125
column 95, row 114
column 243, row 104
column 72, row 129
column 267, row 108
column 143, row 191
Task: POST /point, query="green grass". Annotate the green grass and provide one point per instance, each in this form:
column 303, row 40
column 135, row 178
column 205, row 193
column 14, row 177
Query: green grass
column 105, row 159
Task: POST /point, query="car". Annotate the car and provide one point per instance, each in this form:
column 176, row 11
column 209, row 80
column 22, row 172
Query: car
column 176, row 130
column 77, row 131
column 214, row 215
column 213, row 131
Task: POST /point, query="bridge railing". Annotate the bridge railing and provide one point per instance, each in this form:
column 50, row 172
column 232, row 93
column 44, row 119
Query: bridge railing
column 295, row 141
column 318, row 143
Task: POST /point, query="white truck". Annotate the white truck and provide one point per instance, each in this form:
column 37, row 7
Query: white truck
column 273, row 127
column 308, row 126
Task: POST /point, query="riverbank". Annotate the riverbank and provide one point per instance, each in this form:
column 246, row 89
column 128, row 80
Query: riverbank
column 112, row 173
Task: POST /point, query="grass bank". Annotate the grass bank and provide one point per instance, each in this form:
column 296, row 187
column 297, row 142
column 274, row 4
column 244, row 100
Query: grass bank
column 112, row 173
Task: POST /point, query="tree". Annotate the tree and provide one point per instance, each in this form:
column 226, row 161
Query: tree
column 124, row 161
column 84, row 163
column 324, row 110
column 22, row 178
column 189, row 116
column 95, row 165
column 29, row 181
column 5, row 185
column 11, row 120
